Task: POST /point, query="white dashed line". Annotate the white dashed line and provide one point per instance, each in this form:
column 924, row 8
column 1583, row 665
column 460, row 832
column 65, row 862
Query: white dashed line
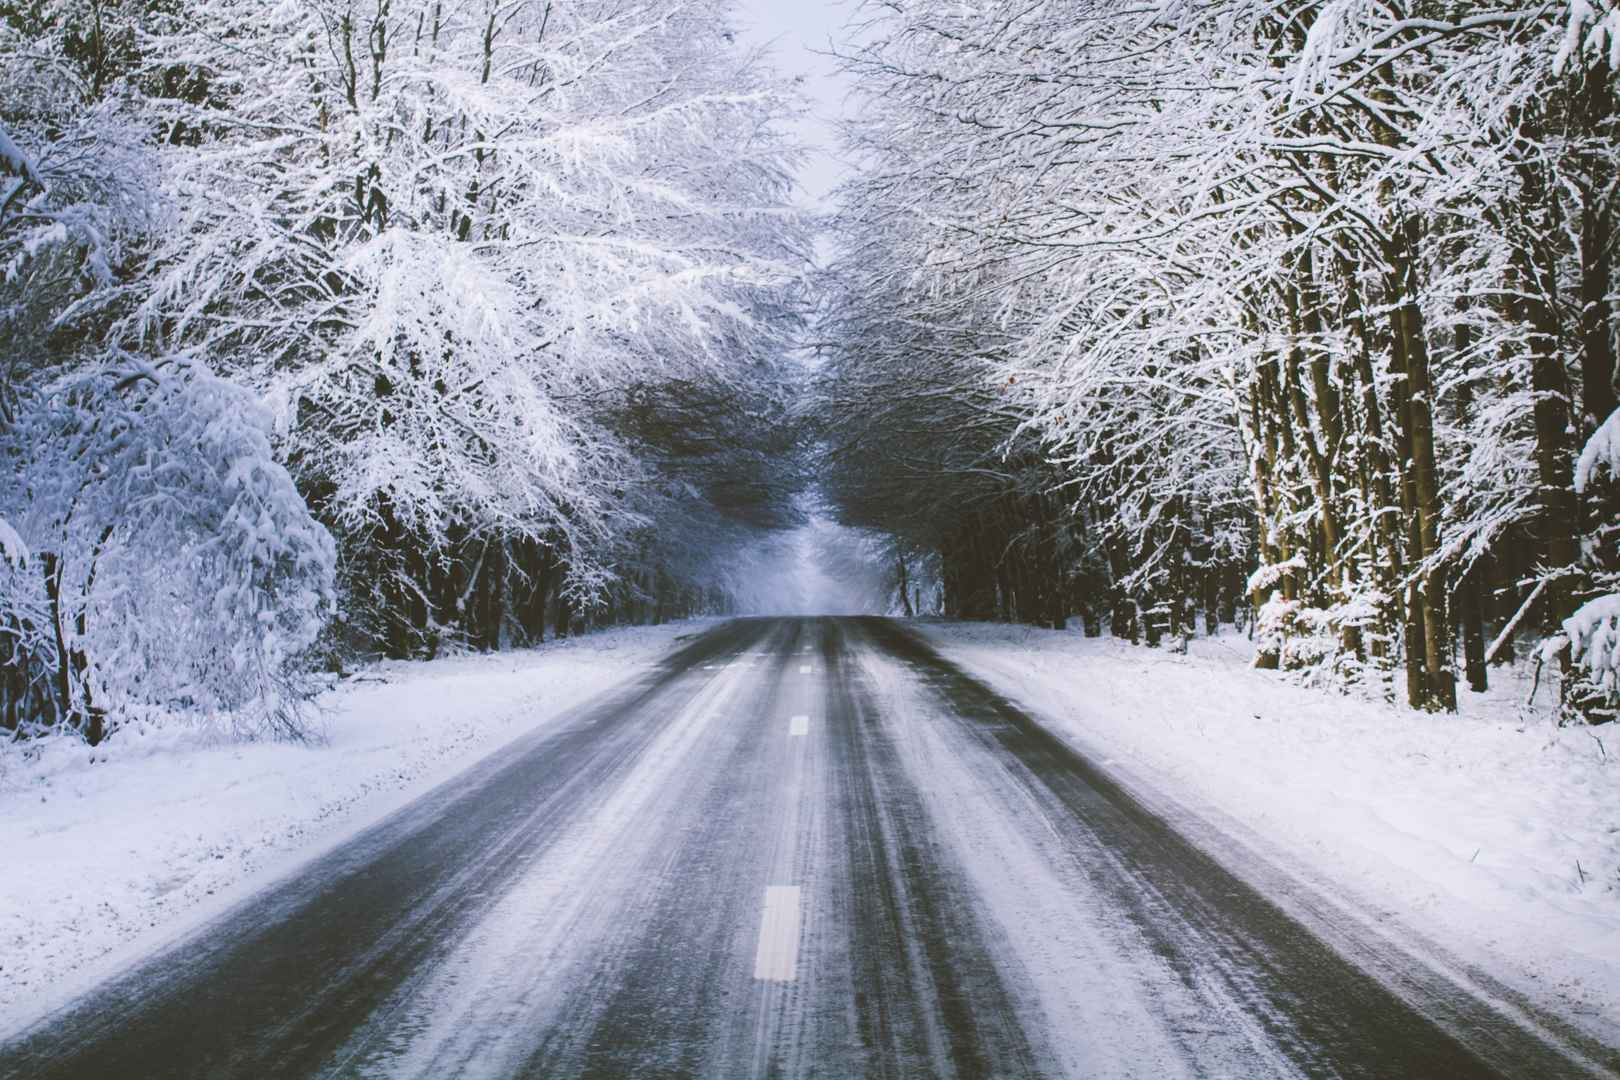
column 805, row 669
column 778, row 956
column 799, row 725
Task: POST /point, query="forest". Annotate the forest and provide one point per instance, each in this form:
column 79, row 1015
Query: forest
column 1293, row 313
column 357, row 327
column 347, row 328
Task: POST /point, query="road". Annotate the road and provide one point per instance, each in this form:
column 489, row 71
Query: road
column 799, row 847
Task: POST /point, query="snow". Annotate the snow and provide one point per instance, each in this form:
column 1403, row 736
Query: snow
column 1088, row 979
column 1586, row 34
column 1490, row 837
column 1594, row 635
column 12, row 548
column 1601, row 452
column 475, row 1012
column 112, row 850
column 13, row 162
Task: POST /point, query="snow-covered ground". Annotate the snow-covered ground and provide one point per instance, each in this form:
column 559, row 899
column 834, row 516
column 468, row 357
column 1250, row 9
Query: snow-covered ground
column 105, row 852
column 1493, row 834
column 1491, row 838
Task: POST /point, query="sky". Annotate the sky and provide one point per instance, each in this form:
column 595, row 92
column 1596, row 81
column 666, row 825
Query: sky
column 796, row 31
column 822, row 568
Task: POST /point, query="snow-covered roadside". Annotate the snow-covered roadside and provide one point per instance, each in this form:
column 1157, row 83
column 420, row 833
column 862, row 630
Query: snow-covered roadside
column 1465, row 830
column 166, row 828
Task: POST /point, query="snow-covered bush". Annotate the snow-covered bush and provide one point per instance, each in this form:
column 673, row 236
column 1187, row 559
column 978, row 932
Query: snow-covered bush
column 1594, row 637
column 1593, row 631
column 1594, row 640
column 173, row 566
column 1600, row 458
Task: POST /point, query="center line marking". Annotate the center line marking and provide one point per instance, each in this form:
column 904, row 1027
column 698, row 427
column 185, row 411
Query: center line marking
column 804, row 669
column 778, row 956
column 799, row 725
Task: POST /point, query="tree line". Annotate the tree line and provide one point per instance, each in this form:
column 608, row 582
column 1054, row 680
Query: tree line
column 1299, row 311
column 377, row 326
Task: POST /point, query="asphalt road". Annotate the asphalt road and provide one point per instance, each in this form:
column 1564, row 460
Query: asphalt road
column 800, row 847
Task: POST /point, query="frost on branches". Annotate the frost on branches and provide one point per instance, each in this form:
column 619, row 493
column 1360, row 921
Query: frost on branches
column 1599, row 463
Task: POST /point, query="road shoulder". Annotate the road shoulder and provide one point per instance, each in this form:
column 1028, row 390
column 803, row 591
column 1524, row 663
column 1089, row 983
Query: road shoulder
column 108, row 859
column 1368, row 821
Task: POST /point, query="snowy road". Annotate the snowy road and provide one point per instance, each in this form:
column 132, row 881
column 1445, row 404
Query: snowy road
column 798, row 847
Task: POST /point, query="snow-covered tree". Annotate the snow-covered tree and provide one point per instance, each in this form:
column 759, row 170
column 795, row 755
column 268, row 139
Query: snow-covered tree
column 1318, row 291
column 454, row 244
column 173, row 566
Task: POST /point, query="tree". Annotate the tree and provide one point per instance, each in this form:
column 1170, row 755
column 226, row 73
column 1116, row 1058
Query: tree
column 1313, row 295
column 447, row 277
column 454, row 250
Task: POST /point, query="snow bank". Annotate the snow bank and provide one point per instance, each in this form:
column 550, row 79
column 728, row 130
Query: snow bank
column 1493, row 833
column 157, row 828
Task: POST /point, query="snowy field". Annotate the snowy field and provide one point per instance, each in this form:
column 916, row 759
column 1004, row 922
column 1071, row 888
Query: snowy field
column 164, row 829
column 1486, row 841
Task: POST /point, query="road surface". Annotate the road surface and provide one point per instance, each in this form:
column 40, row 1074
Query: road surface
column 799, row 847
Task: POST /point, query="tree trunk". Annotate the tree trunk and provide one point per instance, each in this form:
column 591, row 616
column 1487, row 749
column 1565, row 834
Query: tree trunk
column 1470, row 614
column 565, row 615
column 1470, row 590
column 1556, row 512
column 495, row 597
column 1388, row 562
column 1440, row 689
column 51, row 564
column 1597, row 240
column 535, row 618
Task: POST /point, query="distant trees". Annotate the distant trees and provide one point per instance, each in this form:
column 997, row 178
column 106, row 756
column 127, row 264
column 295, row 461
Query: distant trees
column 1307, row 303
column 920, row 446
column 503, row 286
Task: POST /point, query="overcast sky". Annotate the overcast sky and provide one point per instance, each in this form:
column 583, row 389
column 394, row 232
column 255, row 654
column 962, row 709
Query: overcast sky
column 796, row 30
